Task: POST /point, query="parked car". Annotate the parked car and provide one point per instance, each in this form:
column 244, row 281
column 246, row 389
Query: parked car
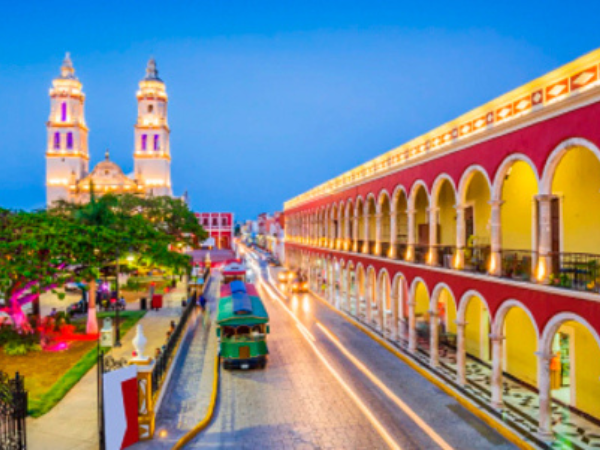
column 73, row 287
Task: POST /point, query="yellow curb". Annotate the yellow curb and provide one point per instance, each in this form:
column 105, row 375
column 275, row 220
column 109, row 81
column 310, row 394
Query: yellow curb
column 209, row 415
column 493, row 423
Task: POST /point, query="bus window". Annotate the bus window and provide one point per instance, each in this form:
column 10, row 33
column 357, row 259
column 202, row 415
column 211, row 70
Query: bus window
column 243, row 331
column 257, row 330
column 228, row 332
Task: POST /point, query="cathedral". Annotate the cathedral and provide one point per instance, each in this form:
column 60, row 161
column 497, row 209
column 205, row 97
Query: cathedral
column 67, row 153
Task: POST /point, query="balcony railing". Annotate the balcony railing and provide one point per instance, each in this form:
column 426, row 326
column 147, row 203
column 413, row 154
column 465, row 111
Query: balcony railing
column 360, row 243
column 370, row 247
column 517, row 264
column 445, row 255
column 576, row 271
column 477, row 258
column 420, row 251
column 401, row 251
column 579, row 271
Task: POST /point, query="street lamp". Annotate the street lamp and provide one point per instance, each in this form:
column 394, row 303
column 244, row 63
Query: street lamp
column 118, row 327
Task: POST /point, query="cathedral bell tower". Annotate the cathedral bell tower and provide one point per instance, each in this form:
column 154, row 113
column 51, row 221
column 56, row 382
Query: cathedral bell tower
column 67, row 156
column 152, row 156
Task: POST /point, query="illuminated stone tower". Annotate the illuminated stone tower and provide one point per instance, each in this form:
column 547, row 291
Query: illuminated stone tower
column 152, row 156
column 67, row 156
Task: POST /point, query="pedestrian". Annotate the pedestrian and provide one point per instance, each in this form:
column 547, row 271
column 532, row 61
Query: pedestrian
column 203, row 303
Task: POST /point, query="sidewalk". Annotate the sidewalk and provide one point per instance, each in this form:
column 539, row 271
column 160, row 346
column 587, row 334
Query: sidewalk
column 572, row 430
column 73, row 423
column 188, row 394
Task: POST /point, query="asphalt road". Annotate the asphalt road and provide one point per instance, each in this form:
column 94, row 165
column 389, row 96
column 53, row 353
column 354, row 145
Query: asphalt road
column 316, row 394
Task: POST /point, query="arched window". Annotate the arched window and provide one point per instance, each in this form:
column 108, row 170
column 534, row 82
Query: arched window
column 150, row 108
column 63, row 112
column 69, row 140
column 156, row 142
column 56, row 140
column 144, row 141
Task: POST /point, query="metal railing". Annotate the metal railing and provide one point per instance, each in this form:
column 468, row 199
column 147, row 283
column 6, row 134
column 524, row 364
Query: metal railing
column 420, row 253
column 163, row 361
column 578, row 271
column 517, row 264
column 445, row 255
column 401, row 251
column 13, row 412
column 384, row 249
column 477, row 258
column 359, row 245
column 371, row 247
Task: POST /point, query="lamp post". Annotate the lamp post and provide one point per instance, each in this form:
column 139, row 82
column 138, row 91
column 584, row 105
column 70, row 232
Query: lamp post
column 118, row 327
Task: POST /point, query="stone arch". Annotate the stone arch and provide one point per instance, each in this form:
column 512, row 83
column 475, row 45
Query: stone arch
column 555, row 157
column 554, row 324
column 466, row 178
column 502, row 312
column 438, row 183
column 418, row 184
column 503, row 169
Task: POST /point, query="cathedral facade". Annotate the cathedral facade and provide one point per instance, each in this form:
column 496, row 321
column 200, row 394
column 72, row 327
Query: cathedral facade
column 67, row 153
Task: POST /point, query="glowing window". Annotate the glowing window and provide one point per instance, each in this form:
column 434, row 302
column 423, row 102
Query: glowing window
column 63, row 112
column 144, row 141
column 56, row 140
column 156, row 142
column 70, row 140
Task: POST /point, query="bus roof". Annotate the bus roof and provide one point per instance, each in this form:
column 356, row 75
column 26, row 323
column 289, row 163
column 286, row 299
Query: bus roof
column 239, row 307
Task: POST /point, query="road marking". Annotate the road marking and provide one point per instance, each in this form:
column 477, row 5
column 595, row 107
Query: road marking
column 403, row 406
column 310, row 339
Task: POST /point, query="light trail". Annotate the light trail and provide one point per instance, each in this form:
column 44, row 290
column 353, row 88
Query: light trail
column 364, row 408
column 403, row 406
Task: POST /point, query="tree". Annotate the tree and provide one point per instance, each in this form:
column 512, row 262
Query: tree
column 117, row 224
column 37, row 253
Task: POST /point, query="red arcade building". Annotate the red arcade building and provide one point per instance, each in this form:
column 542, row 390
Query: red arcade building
column 476, row 249
column 220, row 228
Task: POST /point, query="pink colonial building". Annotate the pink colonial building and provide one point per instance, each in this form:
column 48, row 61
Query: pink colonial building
column 220, row 228
column 477, row 245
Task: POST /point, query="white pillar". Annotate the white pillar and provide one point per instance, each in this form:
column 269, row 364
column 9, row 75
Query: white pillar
column 545, row 399
column 378, row 234
column 412, row 328
column 496, row 238
column 411, row 234
column 393, row 233
column 459, row 261
column 544, row 238
column 355, row 235
column 496, row 378
column 434, row 339
column 461, row 354
column 367, row 235
column 433, row 221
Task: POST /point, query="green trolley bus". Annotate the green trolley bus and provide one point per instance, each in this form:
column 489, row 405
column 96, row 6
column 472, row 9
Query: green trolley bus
column 242, row 326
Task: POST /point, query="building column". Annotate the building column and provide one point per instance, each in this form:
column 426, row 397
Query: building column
column 545, row 397
column 393, row 234
column 365, row 248
column 394, row 319
column 459, row 259
column 434, row 339
column 461, row 354
column 496, row 238
column 410, row 251
column 378, row 221
column 544, row 265
column 496, row 378
column 432, row 258
column 355, row 235
column 412, row 328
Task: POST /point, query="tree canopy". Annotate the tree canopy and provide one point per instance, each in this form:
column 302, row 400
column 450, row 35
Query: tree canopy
column 40, row 250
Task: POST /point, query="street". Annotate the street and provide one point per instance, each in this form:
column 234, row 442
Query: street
column 311, row 395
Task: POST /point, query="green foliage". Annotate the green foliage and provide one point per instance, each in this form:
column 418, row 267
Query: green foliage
column 15, row 348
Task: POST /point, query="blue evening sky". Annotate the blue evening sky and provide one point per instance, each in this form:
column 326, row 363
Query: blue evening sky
column 269, row 98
